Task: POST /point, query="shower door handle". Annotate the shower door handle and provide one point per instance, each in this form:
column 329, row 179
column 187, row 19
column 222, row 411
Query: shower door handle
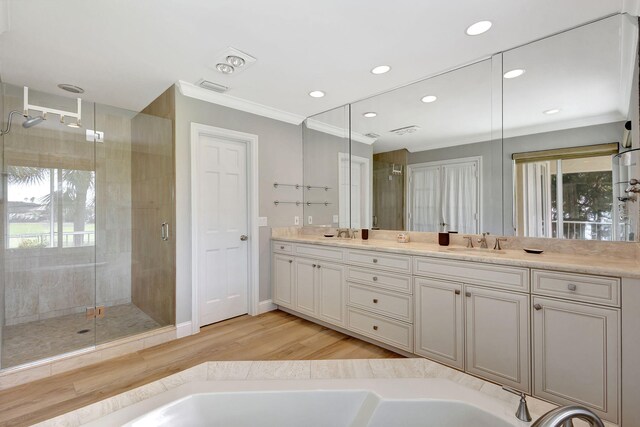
column 164, row 231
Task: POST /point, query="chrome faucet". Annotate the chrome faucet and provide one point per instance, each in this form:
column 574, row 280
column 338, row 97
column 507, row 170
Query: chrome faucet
column 483, row 241
column 343, row 232
column 562, row 416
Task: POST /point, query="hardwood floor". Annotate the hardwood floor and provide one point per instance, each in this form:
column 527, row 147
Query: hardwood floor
column 271, row 336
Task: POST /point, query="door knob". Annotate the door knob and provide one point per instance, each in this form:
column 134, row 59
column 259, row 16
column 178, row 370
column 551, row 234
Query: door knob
column 244, row 237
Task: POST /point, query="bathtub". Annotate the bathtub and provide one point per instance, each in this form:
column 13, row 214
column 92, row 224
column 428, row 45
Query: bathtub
column 318, row 403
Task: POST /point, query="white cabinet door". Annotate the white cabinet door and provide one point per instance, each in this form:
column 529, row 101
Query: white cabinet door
column 305, row 288
column 283, row 280
column 497, row 336
column 576, row 358
column 332, row 307
column 439, row 321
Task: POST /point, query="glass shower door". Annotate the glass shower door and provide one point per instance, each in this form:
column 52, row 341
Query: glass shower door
column 49, row 235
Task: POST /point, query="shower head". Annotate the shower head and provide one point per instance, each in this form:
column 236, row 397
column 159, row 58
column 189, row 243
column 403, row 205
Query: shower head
column 32, row 121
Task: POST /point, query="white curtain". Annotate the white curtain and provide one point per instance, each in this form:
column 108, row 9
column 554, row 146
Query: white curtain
column 460, row 197
column 536, row 191
column 425, row 199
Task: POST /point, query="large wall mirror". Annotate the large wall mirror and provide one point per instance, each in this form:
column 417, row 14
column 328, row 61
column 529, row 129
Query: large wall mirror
column 569, row 101
column 537, row 141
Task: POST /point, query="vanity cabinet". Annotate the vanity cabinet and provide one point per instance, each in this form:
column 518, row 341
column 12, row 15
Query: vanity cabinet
column 439, row 327
column 497, row 336
column 319, row 290
column 282, row 280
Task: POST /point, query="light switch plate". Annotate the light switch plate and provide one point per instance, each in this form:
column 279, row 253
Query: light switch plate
column 262, row 221
column 336, row 218
column 296, row 220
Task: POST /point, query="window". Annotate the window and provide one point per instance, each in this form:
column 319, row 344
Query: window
column 566, row 193
column 49, row 207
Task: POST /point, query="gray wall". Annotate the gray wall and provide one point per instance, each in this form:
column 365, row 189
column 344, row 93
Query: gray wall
column 280, row 160
column 576, row 137
column 490, row 152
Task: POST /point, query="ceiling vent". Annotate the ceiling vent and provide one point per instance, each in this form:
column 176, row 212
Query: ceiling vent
column 232, row 61
column 215, row 87
column 372, row 135
column 405, row 130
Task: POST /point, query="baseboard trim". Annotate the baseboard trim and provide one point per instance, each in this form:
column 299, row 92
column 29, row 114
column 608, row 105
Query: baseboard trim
column 183, row 329
column 266, row 305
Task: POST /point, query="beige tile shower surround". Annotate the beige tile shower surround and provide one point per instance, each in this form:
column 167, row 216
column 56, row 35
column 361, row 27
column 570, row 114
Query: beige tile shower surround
column 296, row 370
column 600, row 258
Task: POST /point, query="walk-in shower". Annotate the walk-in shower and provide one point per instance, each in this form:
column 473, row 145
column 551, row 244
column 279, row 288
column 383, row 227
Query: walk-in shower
column 82, row 259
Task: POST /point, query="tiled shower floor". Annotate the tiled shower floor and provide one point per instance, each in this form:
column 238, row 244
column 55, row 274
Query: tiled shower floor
column 37, row 340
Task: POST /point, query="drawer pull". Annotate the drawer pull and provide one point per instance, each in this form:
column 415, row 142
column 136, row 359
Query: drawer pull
column 457, row 291
column 467, row 294
column 537, row 306
column 375, row 328
column 375, row 278
column 375, row 260
column 571, row 287
column 313, row 265
column 318, row 265
column 375, row 300
column 281, row 247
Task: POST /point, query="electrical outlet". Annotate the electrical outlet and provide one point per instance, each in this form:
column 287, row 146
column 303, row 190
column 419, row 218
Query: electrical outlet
column 296, row 220
column 310, row 220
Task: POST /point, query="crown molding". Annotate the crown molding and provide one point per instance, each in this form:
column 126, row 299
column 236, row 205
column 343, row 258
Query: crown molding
column 192, row 91
column 631, row 7
column 338, row 131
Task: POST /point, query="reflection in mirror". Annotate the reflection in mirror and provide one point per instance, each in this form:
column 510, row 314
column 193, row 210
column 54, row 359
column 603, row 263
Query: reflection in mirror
column 326, row 191
column 566, row 114
column 434, row 158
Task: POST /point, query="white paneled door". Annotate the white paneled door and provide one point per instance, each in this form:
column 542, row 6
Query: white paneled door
column 221, row 227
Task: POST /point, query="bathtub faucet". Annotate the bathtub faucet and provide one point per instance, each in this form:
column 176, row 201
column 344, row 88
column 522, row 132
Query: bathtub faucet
column 560, row 416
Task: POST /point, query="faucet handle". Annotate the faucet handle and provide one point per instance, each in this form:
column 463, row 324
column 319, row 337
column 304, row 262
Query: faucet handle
column 469, row 241
column 523, row 411
column 497, row 246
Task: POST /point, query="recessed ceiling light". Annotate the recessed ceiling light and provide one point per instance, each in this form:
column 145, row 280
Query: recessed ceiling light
column 316, row 94
column 70, row 88
column 236, row 61
column 381, row 69
column 225, row 68
column 552, row 111
column 370, row 114
column 513, row 73
column 479, row 28
column 429, row 98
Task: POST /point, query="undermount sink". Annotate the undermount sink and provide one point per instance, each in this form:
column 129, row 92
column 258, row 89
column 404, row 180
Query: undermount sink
column 477, row 251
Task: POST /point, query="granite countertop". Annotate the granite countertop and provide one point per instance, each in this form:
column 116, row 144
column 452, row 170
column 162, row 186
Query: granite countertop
column 587, row 264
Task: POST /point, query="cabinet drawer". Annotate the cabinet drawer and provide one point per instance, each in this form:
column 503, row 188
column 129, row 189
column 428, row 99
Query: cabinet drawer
column 393, row 332
column 381, row 279
column 577, row 287
column 399, row 263
column 388, row 303
column 323, row 252
column 281, row 247
column 497, row 276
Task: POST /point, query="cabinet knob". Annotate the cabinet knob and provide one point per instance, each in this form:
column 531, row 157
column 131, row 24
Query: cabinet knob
column 375, row 328
column 318, row 265
column 313, row 265
column 375, row 300
column 537, row 306
column 375, row 278
column 457, row 291
column 281, row 247
column 290, row 261
column 375, row 260
column 467, row 294
column 571, row 287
